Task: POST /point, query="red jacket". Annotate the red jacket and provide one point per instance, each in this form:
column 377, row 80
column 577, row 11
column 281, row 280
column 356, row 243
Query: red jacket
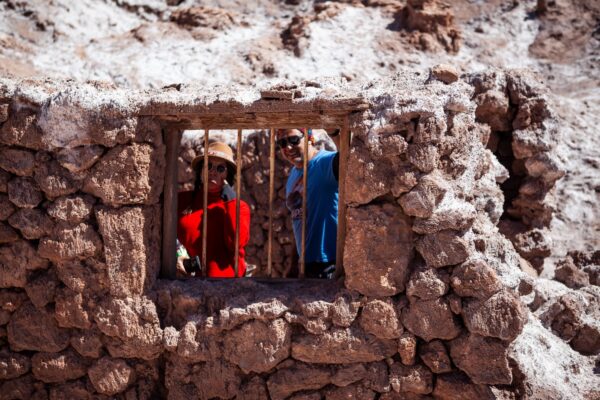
column 220, row 242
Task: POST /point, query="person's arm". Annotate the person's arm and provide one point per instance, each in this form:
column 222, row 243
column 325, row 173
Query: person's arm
column 229, row 231
column 334, row 134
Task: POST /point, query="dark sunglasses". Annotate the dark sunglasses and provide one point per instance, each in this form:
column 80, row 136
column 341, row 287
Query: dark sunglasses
column 220, row 168
column 291, row 140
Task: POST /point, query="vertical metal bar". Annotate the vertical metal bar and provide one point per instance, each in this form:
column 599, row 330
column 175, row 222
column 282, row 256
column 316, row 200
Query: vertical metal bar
column 343, row 170
column 304, row 196
column 205, row 202
column 271, row 195
column 172, row 138
column 238, row 186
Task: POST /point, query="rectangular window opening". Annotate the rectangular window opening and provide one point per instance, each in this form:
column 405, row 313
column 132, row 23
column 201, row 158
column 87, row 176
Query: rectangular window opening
column 264, row 248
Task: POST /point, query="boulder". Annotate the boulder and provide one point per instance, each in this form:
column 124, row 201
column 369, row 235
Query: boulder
column 430, row 319
column 132, row 247
column 58, row 367
column 340, row 345
column 31, row 328
column 270, row 344
column 380, row 318
column 140, row 180
column 32, row 223
column 380, row 269
column 483, row 359
column 18, row 162
column 502, row 315
column 111, row 376
column 24, row 193
column 443, row 248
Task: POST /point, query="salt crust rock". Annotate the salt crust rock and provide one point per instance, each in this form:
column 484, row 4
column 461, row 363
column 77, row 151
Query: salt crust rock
column 380, row 269
column 72, row 209
column 434, row 355
column 502, row 315
column 423, row 156
column 13, row 365
column 35, row 329
column 131, row 247
column 422, row 200
column 414, row 379
column 430, row 319
column 443, row 248
column 134, row 326
column 58, row 367
column 269, row 346
column 456, row 385
column 493, row 108
column 6, row 207
column 474, row 279
column 18, row 162
column 427, row 283
column 79, row 159
column 24, row 193
column 380, row 318
column 32, row 223
column 111, row 376
column 16, row 259
column 342, row 346
column 445, row 73
column 140, row 181
column 407, row 348
column 483, row 359
column 69, row 242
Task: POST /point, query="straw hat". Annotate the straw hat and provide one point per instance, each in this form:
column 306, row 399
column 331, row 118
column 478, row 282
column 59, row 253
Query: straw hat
column 219, row 150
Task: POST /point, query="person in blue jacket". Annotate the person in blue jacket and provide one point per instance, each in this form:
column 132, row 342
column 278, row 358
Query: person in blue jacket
column 321, row 202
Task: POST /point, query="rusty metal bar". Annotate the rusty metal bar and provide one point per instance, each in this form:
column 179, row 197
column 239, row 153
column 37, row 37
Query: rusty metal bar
column 205, row 203
column 238, row 185
column 172, row 138
column 271, row 195
column 343, row 170
column 304, row 196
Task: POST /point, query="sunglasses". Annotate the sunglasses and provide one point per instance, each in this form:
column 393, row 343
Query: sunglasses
column 220, row 168
column 291, row 140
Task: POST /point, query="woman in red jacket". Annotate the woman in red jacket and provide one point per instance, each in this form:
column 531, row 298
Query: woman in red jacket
column 220, row 238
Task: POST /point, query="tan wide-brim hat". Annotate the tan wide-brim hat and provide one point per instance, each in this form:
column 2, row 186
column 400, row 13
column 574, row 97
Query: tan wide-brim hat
column 219, row 150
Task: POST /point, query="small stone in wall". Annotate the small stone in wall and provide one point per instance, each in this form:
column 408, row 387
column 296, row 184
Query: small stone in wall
column 70, row 390
column 297, row 377
column 8, row 234
column 41, row 288
column 445, row 72
column 13, row 365
column 58, row 367
column 423, row 156
column 6, row 207
column 431, row 319
column 69, row 242
column 443, row 248
column 434, row 355
column 356, row 391
column 407, row 348
column 458, row 386
column 18, row 162
column 216, row 379
column 33, row 223
column 88, row 343
column 72, row 209
column 111, row 376
column 3, row 112
column 71, row 311
column 484, row 359
column 79, row 159
column 380, row 318
column 345, row 309
column 254, row 389
column 53, row 179
column 422, row 200
column 4, row 178
column 427, row 283
column 16, row 259
column 475, row 279
column 24, row 193
column 493, row 108
column 413, row 379
column 31, row 328
column 347, row 375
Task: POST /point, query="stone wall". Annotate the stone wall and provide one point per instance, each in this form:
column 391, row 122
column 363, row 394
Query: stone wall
column 428, row 306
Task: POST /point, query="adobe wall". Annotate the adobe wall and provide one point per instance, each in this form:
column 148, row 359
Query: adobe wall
column 430, row 300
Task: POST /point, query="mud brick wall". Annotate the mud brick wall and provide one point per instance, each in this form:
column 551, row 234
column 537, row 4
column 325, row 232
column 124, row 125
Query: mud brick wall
column 430, row 299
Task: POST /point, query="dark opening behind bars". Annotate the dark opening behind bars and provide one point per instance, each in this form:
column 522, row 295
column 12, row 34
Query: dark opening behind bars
column 173, row 138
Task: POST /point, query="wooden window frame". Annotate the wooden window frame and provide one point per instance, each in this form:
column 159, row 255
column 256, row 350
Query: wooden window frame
column 173, row 126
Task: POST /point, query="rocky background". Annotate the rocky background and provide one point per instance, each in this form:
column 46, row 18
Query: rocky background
column 435, row 302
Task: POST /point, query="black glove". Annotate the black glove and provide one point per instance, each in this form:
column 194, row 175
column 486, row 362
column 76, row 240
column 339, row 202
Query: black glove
column 227, row 193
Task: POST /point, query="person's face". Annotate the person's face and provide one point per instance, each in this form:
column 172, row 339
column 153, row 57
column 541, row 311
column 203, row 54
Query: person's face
column 291, row 143
column 217, row 174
